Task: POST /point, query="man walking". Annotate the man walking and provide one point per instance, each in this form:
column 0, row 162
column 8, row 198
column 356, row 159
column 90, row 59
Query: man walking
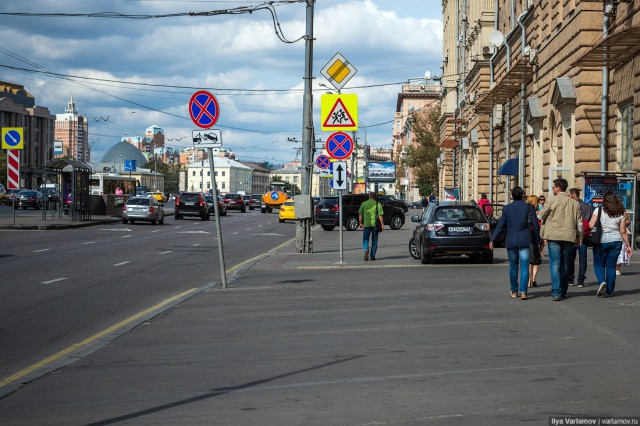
column 562, row 228
column 585, row 213
column 368, row 213
column 521, row 223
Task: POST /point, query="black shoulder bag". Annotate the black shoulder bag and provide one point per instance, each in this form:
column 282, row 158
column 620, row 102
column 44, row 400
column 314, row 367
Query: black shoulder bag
column 378, row 224
column 596, row 232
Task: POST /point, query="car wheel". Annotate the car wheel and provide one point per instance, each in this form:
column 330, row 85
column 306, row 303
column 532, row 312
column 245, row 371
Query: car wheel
column 351, row 224
column 132, row 221
column 263, row 210
column 244, row 210
column 396, row 222
column 487, row 258
column 281, row 220
column 328, row 227
column 413, row 249
column 251, row 208
column 177, row 217
column 154, row 221
column 161, row 220
column 124, row 221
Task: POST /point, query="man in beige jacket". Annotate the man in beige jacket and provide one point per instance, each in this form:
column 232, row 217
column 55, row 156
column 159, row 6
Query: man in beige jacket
column 562, row 228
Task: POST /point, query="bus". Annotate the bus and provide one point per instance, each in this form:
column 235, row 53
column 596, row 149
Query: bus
column 112, row 183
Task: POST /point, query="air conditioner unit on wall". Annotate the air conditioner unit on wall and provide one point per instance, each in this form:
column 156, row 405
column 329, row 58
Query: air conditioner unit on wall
column 488, row 50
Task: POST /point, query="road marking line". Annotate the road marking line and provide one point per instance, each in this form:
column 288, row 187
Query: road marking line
column 126, row 236
column 121, row 263
column 195, row 245
column 157, row 230
column 53, row 281
column 89, row 242
column 91, row 339
column 41, row 250
column 166, row 252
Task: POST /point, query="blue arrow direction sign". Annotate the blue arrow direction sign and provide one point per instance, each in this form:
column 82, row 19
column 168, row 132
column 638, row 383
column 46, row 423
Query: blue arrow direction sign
column 204, row 109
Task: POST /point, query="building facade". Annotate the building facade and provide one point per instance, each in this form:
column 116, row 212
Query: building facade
column 73, row 130
column 417, row 96
column 530, row 95
column 18, row 109
column 231, row 176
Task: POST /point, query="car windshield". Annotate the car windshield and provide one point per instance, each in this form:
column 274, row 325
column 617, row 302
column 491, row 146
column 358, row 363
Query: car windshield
column 449, row 213
column 138, row 201
column 209, row 198
column 289, row 203
column 27, row 193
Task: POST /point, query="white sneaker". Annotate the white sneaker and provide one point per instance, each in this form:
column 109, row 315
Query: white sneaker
column 602, row 289
column 618, row 273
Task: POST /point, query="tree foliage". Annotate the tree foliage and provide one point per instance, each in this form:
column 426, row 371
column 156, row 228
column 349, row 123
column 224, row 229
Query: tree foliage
column 423, row 153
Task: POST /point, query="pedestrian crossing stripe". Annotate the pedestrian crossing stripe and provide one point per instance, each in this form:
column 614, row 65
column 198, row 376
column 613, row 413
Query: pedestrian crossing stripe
column 339, row 112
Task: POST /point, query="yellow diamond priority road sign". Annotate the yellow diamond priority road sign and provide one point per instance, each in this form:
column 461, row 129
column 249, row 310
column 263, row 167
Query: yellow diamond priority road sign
column 338, row 71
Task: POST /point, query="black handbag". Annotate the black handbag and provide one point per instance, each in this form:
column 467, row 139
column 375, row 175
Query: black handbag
column 596, row 232
column 378, row 224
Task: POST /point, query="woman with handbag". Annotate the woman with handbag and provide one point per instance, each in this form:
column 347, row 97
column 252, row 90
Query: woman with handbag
column 535, row 249
column 608, row 225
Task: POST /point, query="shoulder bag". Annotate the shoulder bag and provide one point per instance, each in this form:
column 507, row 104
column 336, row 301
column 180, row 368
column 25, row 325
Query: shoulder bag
column 596, row 232
column 535, row 257
column 377, row 218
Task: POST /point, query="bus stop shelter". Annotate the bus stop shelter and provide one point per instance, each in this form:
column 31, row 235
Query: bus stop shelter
column 74, row 176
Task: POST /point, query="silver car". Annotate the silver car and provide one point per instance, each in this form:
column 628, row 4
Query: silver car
column 142, row 208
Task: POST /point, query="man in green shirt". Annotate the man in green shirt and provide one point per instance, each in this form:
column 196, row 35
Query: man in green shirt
column 369, row 212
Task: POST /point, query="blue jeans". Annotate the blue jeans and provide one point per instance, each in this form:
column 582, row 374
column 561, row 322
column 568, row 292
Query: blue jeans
column 582, row 263
column 518, row 257
column 559, row 257
column 605, row 256
column 366, row 233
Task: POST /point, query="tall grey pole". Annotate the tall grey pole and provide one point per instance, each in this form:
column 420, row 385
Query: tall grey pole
column 214, row 189
column 605, row 94
column 303, row 230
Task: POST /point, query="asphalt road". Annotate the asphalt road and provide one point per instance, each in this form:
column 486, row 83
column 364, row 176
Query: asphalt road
column 62, row 287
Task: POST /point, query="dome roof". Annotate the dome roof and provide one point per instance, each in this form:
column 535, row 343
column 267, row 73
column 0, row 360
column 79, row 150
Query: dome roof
column 124, row 151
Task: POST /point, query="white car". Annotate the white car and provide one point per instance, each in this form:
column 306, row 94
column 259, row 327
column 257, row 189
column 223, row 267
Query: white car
column 146, row 209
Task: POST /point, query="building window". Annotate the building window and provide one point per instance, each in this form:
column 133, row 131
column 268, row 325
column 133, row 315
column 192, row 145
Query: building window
column 223, row 173
column 193, row 173
column 626, row 138
column 223, row 184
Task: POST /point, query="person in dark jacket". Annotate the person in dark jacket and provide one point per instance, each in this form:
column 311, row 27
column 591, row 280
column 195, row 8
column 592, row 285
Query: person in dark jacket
column 521, row 223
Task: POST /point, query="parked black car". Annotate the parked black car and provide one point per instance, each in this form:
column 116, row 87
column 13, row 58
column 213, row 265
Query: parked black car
column 452, row 228
column 386, row 199
column 326, row 212
column 192, row 204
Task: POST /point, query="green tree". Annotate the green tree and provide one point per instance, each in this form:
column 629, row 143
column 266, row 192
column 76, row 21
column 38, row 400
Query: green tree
column 422, row 155
column 3, row 167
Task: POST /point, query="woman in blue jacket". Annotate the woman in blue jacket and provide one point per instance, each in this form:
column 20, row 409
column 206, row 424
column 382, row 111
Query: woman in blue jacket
column 521, row 223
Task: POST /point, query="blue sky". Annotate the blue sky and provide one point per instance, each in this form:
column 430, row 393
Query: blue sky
column 387, row 41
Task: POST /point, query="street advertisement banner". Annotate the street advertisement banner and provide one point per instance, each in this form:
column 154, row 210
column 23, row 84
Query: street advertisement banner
column 596, row 186
column 57, row 147
column 451, row 194
column 382, row 172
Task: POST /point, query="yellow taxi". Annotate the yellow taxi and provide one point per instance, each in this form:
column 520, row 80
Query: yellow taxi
column 287, row 211
column 157, row 195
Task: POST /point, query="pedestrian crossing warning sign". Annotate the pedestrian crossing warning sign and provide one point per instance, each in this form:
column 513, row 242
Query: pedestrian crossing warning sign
column 339, row 112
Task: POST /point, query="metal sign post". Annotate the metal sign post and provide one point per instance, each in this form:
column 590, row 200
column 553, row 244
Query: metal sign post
column 340, row 224
column 223, row 271
column 205, row 111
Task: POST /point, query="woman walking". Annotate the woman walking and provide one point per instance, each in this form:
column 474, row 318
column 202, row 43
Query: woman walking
column 535, row 256
column 614, row 233
column 623, row 258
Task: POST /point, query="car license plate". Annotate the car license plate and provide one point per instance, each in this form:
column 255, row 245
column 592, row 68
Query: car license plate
column 324, row 210
column 189, row 204
column 459, row 229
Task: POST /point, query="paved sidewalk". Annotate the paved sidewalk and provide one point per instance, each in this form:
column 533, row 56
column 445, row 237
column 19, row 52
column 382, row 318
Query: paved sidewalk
column 301, row 339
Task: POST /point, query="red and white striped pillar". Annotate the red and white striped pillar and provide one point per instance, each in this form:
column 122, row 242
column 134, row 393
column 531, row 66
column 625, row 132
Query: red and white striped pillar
column 13, row 169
